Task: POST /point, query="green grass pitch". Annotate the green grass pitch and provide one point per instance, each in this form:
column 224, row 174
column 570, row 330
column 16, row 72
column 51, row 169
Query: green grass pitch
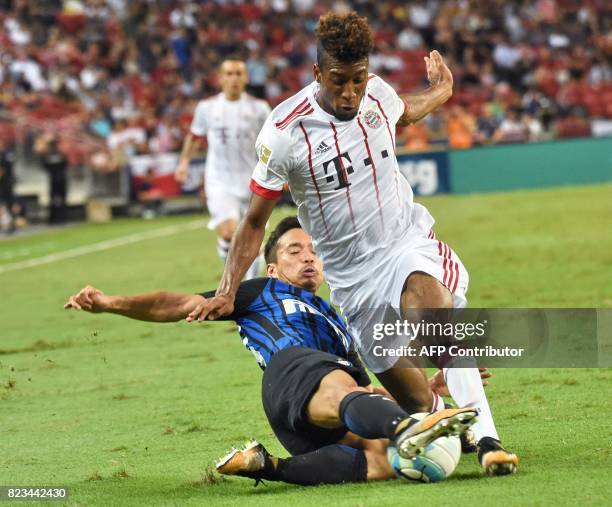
column 131, row 413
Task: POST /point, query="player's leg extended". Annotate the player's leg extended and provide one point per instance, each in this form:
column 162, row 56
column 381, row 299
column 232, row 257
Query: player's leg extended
column 331, row 464
column 339, row 402
column 360, row 454
column 352, row 459
column 424, row 291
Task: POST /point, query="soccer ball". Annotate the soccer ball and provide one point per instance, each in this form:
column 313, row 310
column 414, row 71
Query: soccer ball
column 437, row 462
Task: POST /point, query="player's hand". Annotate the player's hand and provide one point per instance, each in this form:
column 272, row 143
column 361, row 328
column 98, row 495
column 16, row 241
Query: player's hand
column 180, row 174
column 437, row 383
column 212, row 309
column 88, row 298
column 438, row 72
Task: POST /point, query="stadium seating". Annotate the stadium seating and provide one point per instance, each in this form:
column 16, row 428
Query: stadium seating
column 69, row 62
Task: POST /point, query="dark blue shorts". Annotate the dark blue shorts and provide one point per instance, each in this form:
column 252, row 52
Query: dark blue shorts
column 289, row 381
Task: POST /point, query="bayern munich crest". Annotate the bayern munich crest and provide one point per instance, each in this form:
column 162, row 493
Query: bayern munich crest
column 372, row 119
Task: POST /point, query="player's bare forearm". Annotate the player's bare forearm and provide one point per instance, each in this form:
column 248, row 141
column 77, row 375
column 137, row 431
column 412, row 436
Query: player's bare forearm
column 245, row 245
column 154, row 306
column 419, row 105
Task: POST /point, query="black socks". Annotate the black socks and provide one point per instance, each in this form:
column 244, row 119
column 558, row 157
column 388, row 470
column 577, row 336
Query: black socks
column 333, row 464
column 371, row 415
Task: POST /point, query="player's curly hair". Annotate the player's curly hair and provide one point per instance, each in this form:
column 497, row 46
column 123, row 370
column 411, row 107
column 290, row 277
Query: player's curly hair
column 283, row 226
column 347, row 37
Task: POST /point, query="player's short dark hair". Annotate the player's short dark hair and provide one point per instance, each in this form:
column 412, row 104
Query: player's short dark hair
column 286, row 224
column 346, row 38
column 236, row 56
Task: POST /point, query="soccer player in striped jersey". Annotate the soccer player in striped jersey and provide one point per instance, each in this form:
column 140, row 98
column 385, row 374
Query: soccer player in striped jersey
column 230, row 121
column 333, row 143
column 315, row 392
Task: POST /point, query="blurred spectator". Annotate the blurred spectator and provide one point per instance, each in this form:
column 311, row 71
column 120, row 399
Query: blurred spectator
column 7, row 178
column 461, row 128
column 55, row 162
column 409, row 39
column 150, row 196
column 8, row 205
column 487, row 123
column 535, row 130
column 128, row 137
column 512, row 129
column 258, row 74
column 100, row 125
column 506, row 57
column 573, row 124
column 416, row 137
column 6, row 220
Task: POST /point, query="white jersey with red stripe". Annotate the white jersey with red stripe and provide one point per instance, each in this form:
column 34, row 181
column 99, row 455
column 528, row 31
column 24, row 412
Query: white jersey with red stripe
column 358, row 208
column 231, row 127
column 343, row 176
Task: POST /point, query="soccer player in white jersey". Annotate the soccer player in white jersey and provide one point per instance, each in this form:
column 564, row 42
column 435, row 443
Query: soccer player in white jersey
column 334, row 144
column 230, row 121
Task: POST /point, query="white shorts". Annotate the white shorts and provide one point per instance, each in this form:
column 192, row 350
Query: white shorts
column 366, row 303
column 223, row 205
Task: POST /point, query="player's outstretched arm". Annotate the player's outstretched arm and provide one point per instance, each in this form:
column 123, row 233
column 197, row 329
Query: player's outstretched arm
column 243, row 251
column 440, row 90
column 152, row 307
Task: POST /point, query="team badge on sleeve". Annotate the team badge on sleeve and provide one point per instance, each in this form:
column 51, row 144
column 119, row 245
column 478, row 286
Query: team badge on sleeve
column 372, row 119
column 264, row 155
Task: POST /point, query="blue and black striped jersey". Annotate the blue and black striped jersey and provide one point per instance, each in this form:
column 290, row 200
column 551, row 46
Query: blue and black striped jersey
column 273, row 315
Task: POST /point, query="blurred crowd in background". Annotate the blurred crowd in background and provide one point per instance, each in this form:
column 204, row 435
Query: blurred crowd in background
column 113, row 78
column 127, row 75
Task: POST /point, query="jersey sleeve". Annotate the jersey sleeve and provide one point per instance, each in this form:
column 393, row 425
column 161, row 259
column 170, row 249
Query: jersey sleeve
column 247, row 292
column 274, row 161
column 199, row 125
column 390, row 102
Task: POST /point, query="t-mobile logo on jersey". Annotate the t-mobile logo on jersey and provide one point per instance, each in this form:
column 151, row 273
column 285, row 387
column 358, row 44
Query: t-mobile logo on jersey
column 342, row 168
column 340, row 171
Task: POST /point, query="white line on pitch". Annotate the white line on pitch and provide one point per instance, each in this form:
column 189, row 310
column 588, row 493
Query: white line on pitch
column 102, row 245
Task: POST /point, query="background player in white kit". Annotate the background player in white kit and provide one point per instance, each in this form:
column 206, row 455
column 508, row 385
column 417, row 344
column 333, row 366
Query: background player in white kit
column 333, row 143
column 230, row 121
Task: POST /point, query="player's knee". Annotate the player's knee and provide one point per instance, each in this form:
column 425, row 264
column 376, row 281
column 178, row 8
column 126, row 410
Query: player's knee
column 337, row 385
column 226, row 229
column 226, row 234
column 324, row 406
column 422, row 290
